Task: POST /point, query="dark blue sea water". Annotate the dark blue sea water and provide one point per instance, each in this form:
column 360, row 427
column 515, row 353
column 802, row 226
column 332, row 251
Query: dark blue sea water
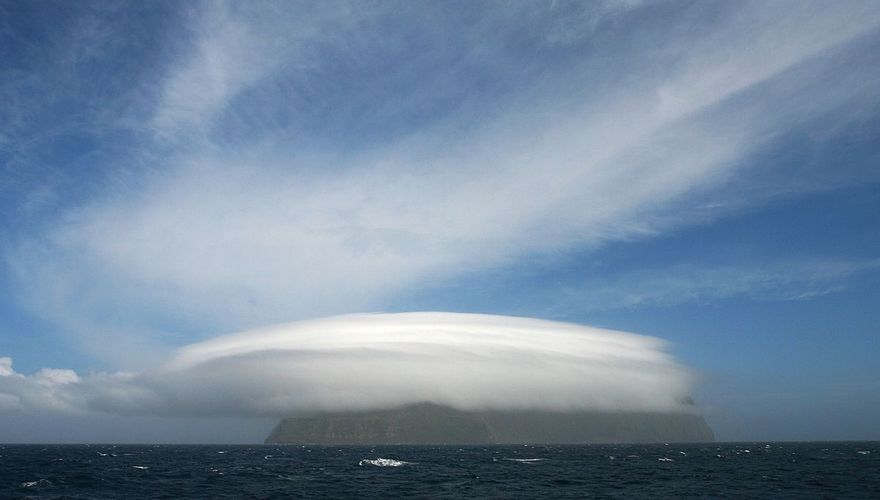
column 755, row 470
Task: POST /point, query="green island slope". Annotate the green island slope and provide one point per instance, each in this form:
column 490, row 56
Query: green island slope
column 428, row 423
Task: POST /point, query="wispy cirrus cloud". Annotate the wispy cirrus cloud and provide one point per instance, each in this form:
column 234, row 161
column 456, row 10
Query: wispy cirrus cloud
column 235, row 47
column 694, row 283
column 487, row 154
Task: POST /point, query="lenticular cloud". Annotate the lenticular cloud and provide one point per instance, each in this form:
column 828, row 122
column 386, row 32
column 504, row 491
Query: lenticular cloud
column 382, row 360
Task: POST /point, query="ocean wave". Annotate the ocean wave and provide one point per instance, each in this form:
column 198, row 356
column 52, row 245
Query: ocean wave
column 31, row 484
column 383, row 462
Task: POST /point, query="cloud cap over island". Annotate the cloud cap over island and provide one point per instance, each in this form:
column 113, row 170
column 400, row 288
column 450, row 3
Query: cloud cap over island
column 367, row 361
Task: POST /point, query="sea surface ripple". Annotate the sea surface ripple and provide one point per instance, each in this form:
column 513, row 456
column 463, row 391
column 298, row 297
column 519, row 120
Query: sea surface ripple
column 737, row 470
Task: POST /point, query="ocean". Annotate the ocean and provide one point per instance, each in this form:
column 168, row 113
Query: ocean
column 712, row 470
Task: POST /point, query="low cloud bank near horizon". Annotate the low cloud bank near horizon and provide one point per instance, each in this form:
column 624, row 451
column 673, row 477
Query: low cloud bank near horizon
column 367, row 361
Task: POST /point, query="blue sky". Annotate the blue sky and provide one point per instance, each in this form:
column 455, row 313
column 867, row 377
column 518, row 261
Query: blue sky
column 702, row 172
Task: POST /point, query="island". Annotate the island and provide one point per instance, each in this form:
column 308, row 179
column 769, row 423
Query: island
column 429, row 423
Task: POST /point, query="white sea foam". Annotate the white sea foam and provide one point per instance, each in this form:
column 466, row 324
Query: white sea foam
column 383, row 462
column 525, row 460
column 142, row 467
column 31, row 484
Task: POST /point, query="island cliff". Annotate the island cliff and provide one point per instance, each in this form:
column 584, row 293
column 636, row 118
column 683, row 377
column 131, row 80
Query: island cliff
column 428, row 423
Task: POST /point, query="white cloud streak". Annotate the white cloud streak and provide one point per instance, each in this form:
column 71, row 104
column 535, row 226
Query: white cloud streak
column 687, row 283
column 221, row 240
column 377, row 361
column 235, row 46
